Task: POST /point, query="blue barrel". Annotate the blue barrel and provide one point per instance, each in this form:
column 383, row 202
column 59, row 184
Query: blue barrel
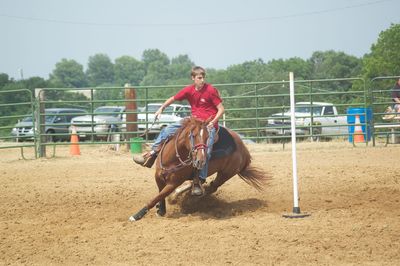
column 351, row 120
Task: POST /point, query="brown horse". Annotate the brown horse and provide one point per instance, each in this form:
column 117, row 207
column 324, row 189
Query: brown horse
column 185, row 153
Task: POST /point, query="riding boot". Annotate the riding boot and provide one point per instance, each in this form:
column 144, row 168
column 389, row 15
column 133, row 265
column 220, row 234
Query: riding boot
column 146, row 160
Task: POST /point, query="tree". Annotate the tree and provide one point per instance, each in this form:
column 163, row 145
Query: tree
column 128, row 70
column 385, row 56
column 157, row 74
column 280, row 68
column 179, row 69
column 35, row 82
column 68, row 73
column 100, row 70
column 13, row 109
column 151, row 56
column 3, row 79
column 245, row 72
column 335, row 65
column 332, row 64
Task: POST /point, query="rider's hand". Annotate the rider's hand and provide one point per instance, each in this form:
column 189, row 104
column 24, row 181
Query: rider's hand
column 210, row 125
column 158, row 114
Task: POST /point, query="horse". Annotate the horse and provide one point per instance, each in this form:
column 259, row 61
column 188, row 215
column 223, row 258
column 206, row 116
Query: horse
column 184, row 154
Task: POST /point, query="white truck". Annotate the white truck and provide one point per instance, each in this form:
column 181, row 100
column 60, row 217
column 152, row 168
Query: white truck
column 322, row 116
column 171, row 114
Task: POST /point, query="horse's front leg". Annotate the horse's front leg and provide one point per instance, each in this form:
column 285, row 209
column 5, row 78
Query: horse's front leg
column 160, row 206
column 161, row 196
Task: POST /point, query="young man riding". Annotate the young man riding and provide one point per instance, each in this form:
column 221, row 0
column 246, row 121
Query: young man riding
column 206, row 104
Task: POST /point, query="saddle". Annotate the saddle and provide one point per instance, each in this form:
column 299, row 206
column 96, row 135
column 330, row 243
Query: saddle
column 224, row 146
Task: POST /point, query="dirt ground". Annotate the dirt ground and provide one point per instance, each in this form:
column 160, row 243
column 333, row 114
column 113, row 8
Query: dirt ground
column 74, row 211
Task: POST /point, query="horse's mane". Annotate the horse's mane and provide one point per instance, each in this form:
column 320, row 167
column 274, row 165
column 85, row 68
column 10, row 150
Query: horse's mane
column 188, row 124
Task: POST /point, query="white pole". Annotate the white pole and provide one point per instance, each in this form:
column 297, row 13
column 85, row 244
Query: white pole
column 296, row 208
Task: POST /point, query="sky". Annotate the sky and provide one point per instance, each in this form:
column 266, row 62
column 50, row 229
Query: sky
column 36, row 34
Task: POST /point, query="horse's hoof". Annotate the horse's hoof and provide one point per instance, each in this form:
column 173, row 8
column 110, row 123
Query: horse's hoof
column 139, row 215
column 161, row 213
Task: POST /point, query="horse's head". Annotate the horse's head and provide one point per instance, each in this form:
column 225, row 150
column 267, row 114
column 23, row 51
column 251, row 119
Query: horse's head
column 198, row 142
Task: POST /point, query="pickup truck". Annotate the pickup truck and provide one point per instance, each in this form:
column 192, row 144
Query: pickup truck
column 171, row 114
column 103, row 120
column 323, row 116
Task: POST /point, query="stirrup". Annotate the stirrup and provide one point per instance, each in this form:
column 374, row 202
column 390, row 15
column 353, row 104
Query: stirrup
column 146, row 160
column 150, row 161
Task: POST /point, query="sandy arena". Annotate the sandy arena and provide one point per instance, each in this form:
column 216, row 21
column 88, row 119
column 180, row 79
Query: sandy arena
column 74, row 211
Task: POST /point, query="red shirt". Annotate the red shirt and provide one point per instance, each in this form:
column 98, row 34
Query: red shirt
column 203, row 102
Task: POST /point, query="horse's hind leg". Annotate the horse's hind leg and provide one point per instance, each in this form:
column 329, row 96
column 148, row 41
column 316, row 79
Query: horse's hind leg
column 219, row 180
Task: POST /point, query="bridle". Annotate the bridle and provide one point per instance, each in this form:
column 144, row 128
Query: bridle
column 194, row 148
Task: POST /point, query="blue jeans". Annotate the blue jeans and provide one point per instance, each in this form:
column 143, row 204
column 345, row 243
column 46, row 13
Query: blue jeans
column 165, row 133
column 171, row 129
column 211, row 137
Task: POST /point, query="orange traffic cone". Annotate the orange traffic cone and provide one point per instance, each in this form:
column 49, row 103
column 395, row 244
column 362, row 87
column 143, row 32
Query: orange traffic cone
column 358, row 133
column 74, row 148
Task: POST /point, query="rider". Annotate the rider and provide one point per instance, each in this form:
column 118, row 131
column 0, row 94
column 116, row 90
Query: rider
column 206, row 104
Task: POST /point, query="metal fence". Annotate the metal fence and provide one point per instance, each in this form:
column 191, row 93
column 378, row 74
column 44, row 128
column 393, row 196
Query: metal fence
column 385, row 124
column 262, row 102
column 249, row 110
column 10, row 114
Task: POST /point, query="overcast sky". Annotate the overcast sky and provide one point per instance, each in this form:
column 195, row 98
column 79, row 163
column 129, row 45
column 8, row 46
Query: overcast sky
column 36, row 34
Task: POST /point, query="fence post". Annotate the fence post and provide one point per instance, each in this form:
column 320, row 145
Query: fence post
column 131, row 118
column 40, row 119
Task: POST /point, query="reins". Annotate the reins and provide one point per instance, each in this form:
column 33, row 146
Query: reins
column 149, row 128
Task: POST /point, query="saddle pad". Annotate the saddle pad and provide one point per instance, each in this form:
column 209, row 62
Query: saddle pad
column 224, row 146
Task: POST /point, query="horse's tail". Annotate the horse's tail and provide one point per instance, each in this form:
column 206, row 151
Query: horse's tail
column 254, row 177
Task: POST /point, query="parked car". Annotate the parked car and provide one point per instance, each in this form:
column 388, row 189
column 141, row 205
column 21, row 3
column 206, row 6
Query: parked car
column 57, row 121
column 171, row 114
column 103, row 120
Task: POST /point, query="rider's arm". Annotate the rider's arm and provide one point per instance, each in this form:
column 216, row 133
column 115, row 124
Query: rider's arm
column 164, row 105
column 220, row 112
